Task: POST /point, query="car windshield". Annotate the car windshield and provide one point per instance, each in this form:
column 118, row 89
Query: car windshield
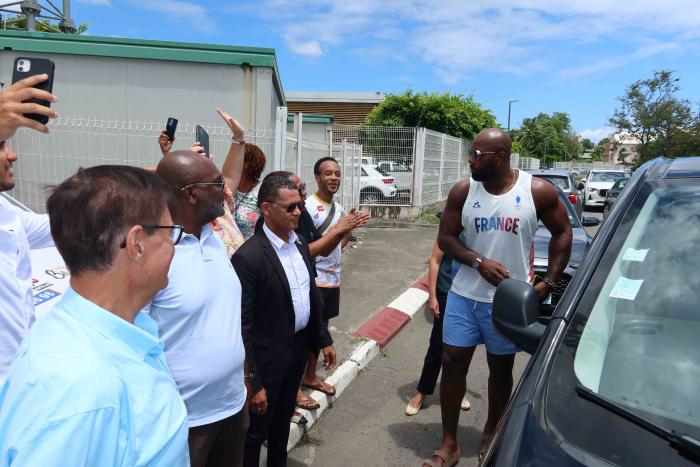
column 606, row 176
column 381, row 171
column 561, row 182
column 639, row 344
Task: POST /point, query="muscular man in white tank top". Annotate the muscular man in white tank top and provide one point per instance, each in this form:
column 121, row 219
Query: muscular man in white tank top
column 498, row 208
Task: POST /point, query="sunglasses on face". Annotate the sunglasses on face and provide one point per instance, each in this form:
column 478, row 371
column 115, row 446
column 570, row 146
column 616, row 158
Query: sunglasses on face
column 221, row 183
column 476, row 154
column 290, row 208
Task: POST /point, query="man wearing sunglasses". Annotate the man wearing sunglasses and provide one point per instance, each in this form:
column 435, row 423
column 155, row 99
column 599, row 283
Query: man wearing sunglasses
column 90, row 385
column 498, row 209
column 281, row 318
column 199, row 315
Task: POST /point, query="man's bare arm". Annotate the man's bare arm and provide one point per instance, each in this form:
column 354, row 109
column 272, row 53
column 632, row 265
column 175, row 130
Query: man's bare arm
column 553, row 214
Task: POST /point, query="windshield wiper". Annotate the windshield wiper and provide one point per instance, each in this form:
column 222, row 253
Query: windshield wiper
column 683, row 443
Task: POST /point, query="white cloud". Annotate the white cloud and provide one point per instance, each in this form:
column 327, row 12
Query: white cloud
column 192, row 14
column 597, row 134
column 458, row 37
column 309, row 49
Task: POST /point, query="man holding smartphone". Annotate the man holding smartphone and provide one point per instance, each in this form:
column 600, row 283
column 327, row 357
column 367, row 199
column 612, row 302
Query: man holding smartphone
column 20, row 231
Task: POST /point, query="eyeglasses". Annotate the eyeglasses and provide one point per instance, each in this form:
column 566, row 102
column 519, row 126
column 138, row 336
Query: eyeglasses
column 290, row 207
column 221, row 183
column 476, row 154
column 175, row 232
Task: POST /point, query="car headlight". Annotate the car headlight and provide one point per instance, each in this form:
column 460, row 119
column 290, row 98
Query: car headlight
column 592, row 189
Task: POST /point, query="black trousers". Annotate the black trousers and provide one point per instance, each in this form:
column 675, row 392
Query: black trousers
column 281, row 399
column 433, row 357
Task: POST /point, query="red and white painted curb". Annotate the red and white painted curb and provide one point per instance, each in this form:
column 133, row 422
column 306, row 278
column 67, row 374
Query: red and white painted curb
column 379, row 329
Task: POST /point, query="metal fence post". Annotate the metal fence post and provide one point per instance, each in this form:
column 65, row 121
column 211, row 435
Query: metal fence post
column 280, row 138
column 344, row 155
column 442, row 167
column 299, row 123
column 418, row 163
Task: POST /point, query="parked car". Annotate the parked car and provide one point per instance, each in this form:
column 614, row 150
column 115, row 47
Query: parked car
column 579, row 247
column 564, row 180
column 50, row 277
column 614, row 377
column 376, row 187
column 402, row 175
column 612, row 195
column 597, row 184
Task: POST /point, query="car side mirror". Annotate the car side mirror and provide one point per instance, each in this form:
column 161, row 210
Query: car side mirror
column 580, row 186
column 590, row 221
column 516, row 308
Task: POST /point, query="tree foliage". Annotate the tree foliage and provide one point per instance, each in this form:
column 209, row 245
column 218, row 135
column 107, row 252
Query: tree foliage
column 454, row 114
column 664, row 123
column 549, row 137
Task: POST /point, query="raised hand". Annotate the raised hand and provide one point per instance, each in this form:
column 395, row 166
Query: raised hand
column 13, row 106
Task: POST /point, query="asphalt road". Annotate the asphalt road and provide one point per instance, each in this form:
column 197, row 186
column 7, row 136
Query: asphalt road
column 367, row 424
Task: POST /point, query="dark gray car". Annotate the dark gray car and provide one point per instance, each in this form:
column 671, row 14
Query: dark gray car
column 612, row 194
column 563, row 179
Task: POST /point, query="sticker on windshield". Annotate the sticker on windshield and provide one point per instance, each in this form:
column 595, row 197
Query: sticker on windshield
column 626, row 289
column 632, row 254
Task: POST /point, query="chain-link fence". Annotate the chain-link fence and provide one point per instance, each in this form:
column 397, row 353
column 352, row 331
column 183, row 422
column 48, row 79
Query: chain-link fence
column 72, row 143
column 524, row 163
column 588, row 166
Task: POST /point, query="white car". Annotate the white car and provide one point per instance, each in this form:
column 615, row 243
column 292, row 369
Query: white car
column 376, row 188
column 597, row 184
column 402, row 175
column 50, row 277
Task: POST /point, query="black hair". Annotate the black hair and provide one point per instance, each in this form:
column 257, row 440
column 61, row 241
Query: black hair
column 317, row 165
column 271, row 185
column 91, row 210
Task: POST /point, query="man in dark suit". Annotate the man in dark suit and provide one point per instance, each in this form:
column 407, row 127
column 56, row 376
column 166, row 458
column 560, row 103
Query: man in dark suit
column 281, row 319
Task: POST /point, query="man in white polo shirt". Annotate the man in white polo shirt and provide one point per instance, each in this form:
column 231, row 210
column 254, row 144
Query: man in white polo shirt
column 20, row 231
column 199, row 315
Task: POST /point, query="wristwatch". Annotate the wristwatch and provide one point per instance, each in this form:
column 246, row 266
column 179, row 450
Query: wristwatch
column 237, row 141
column 476, row 263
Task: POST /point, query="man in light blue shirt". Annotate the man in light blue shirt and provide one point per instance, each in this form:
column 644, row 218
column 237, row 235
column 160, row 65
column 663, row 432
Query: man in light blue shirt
column 199, row 315
column 90, row 385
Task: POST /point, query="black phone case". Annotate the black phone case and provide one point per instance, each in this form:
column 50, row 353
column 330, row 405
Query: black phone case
column 170, row 128
column 203, row 138
column 38, row 66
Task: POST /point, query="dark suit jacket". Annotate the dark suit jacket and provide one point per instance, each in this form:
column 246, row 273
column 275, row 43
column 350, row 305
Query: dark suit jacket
column 267, row 312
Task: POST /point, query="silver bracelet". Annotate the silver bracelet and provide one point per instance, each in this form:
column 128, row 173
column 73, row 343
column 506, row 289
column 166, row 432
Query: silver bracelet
column 237, row 141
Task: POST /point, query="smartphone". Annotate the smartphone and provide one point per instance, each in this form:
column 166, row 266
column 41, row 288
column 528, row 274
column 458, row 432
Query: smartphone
column 170, row 128
column 26, row 67
column 203, row 137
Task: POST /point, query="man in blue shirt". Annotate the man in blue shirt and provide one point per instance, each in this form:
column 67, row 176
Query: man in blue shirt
column 199, row 315
column 90, row 385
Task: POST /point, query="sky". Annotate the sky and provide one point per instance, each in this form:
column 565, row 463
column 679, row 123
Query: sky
column 574, row 56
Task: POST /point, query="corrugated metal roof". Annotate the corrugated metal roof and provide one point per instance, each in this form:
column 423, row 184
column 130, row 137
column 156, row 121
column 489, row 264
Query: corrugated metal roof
column 344, row 97
column 42, row 42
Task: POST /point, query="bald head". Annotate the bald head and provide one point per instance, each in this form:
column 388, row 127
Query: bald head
column 493, row 139
column 180, row 168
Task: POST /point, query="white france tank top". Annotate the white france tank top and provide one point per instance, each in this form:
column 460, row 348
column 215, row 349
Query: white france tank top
column 501, row 228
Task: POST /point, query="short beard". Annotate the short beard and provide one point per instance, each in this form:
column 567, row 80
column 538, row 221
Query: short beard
column 7, row 186
column 212, row 211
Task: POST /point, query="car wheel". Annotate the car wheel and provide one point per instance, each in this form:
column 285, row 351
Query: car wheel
column 371, row 196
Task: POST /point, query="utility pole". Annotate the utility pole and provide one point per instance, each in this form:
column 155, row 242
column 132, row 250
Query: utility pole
column 510, row 102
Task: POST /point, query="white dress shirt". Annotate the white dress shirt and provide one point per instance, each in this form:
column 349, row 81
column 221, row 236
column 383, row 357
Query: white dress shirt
column 199, row 318
column 297, row 275
column 20, row 231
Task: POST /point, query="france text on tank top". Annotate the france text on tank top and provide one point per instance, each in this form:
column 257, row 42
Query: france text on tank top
column 501, row 228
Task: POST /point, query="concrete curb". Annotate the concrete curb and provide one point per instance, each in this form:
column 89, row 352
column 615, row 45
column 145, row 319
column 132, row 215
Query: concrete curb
column 376, row 333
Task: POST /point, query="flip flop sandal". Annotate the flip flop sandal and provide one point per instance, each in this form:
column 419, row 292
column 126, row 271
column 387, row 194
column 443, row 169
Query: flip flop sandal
column 447, row 461
column 320, row 387
column 308, row 404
